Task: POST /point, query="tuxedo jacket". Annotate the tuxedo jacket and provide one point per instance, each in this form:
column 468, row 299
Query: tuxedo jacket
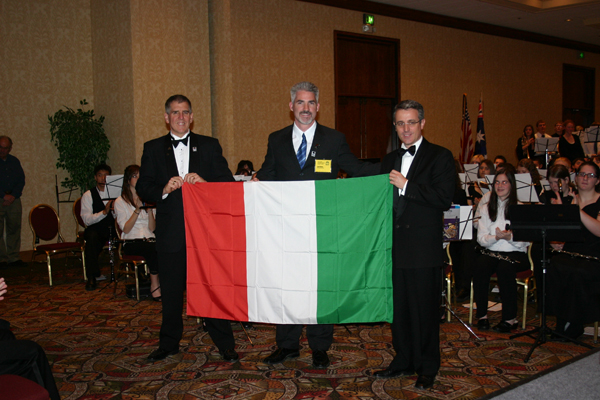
column 281, row 163
column 419, row 213
column 159, row 165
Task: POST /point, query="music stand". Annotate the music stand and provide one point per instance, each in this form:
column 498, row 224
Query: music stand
column 546, row 146
column 114, row 185
column 542, row 223
column 526, row 192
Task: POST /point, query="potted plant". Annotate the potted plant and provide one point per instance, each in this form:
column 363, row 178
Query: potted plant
column 81, row 143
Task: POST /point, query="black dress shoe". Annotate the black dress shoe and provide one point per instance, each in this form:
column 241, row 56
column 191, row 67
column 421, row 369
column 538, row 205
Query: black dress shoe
column 391, row 373
column 505, row 327
column 91, row 284
column 425, row 381
column 229, row 355
column 281, row 354
column 483, row 324
column 320, row 359
column 160, row 354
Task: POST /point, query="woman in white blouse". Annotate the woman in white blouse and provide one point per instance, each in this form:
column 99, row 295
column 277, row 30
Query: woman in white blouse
column 137, row 223
column 500, row 254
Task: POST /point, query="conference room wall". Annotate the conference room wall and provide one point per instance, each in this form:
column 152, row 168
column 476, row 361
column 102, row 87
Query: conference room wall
column 236, row 60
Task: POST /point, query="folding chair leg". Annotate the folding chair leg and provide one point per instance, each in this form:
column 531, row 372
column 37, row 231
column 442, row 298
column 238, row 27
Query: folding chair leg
column 83, row 262
column 471, row 305
column 49, row 268
column 596, row 332
column 524, row 306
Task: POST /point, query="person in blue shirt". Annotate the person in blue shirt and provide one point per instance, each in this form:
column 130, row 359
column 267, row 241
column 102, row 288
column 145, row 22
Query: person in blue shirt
column 12, row 181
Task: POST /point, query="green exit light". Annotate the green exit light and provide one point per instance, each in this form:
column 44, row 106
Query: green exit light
column 368, row 19
column 581, row 55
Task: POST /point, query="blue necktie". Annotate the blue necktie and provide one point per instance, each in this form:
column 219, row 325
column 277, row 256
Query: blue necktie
column 301, row 154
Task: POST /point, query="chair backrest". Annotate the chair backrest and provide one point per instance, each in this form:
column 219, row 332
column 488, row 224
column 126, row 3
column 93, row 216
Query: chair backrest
column 44, row 223
column 77, row 214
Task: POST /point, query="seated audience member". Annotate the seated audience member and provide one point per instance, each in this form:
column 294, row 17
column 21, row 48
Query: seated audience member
column 499, row 160
column 243, row 172
column 477, row 159
column 559, row 128
column 538, row 163
column 495, row 237
column 24, row 358
column 98, row 219
column 572, row 282
column 561, row 191
column 526, row 166
column 569, row 145
column 526, row 144
column 486, row 167
column 137, row 223
column 576, row 164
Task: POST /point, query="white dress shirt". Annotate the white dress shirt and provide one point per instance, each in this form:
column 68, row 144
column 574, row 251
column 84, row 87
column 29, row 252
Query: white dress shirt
column 486, row 231
column 124, row 211
column 182, row 155
column 87, row 210
column 407, row 160
column 297, row 137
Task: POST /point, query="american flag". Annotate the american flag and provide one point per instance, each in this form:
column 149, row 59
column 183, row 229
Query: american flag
column 480, row 144
column 466, row 140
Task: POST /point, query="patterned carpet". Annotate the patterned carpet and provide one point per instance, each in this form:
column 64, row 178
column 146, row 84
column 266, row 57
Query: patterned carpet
column 98, row 345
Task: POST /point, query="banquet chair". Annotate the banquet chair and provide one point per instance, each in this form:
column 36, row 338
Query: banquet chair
column 45, row 225
column 128, row 265
column 524, row 278
column 16, row 387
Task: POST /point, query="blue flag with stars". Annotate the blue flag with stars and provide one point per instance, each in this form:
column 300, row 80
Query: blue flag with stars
column 480, row 146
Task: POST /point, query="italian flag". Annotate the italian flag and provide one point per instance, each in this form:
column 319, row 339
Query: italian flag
column 303, row 252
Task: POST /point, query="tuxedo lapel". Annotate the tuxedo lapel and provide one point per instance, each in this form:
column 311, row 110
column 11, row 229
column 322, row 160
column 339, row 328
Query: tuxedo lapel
column 195, row 157
column 170, row 157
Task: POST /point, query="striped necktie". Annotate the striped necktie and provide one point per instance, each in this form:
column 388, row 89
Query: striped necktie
column 301, row 154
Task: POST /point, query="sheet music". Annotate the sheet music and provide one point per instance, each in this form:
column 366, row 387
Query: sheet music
column 471, row 172
column 541, row 144
column 465, row 228
column 114, row 185
column 525, row 189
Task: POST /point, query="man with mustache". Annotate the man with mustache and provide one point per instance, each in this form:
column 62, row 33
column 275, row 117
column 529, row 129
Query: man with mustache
column 307, row 150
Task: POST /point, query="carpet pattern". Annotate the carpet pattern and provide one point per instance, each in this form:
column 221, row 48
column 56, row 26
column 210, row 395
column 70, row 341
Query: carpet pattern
column 98, row 344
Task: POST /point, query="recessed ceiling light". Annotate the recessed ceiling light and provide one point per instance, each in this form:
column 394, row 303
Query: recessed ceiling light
column 568, row 20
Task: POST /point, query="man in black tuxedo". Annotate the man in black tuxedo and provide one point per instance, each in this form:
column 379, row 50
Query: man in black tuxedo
column 167, row 162
column 425, row 176
column 307, row 150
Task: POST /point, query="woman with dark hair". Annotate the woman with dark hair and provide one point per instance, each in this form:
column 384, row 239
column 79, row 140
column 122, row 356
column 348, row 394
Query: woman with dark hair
column 526, row 143
column 569, row 145
column 573, row 279
column 561, row 190
column 486, row 167
column 499, row 254
column 137, row 223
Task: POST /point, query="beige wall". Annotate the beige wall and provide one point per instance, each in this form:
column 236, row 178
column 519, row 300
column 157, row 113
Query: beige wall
column 236, row 60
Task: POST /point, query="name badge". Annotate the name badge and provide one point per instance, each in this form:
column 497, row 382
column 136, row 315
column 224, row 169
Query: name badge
column 323, row 166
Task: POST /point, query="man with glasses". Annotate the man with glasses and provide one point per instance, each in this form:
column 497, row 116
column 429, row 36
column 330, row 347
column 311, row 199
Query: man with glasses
column 424, row 176
column 307, row 150
column 12, row 182
column 559, row 128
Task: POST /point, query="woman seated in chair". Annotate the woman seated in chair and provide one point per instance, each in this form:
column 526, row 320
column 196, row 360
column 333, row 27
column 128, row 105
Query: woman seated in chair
column 573, row 282
column 561, row 191
column 499, row 254
column 137, row 223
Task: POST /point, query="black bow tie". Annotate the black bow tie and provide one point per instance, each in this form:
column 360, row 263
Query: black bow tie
column 411, row 150
column 175, row 142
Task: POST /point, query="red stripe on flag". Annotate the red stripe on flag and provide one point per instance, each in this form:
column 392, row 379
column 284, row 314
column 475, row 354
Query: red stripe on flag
column 215, row 229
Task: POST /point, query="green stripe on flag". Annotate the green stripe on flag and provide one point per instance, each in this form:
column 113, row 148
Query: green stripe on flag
column 354, row 242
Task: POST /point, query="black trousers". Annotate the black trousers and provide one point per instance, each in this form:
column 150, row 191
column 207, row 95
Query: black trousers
column 319, row 336
column 95, row 239
column 27, row 359
column 146, row 250
column 416, row 325
column 485, row 267
column 173, row 275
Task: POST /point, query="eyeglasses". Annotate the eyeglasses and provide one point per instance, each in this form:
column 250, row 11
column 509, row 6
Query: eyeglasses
column 584, row 175
column 410, row 124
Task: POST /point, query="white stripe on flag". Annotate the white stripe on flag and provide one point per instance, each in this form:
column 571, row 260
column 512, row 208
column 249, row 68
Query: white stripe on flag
column 281, row 251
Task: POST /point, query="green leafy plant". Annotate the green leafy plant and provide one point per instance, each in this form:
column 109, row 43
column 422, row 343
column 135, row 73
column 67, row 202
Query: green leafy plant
column 81, row 143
